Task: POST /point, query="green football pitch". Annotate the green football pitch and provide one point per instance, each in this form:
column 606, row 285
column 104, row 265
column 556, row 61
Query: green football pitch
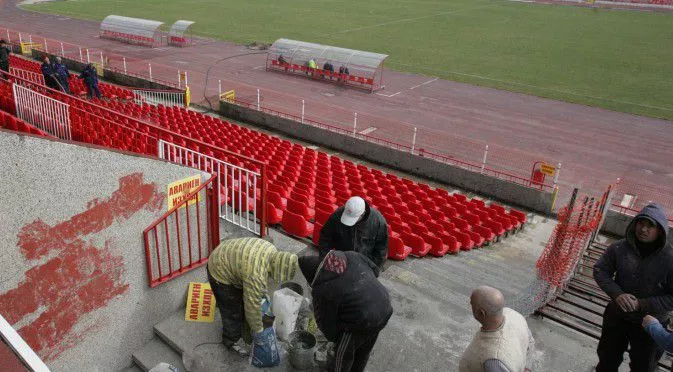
column 616, row 59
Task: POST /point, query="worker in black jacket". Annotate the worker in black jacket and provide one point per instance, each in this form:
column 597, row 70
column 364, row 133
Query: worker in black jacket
column 351, row 306
column 637, row 273
column 357, row 227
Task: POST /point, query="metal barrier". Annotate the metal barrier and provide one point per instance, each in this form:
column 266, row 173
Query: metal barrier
column 20, row 349
column 241, row 190
column 159, row 97
column 27, row 75
column 183, row 238
column 45, row 113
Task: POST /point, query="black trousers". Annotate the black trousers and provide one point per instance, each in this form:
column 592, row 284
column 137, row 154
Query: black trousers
column 229, row 300
column 619, row 333
column 351, row 352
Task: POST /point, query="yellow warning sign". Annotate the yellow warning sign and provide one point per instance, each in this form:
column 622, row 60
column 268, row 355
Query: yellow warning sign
column 178, row 191
column 27, row 47
column 99, row 68
column 200, row 303
column 229, row 96
column 547, row 169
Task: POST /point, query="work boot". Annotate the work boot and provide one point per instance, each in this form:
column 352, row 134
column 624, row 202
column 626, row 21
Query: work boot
column 241, row 348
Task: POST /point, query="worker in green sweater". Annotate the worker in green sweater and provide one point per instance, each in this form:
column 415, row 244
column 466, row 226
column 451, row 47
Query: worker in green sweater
column 238, row 271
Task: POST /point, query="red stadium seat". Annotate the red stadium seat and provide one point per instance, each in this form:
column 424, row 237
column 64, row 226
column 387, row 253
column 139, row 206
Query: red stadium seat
column 397, row 250
column 296, row 225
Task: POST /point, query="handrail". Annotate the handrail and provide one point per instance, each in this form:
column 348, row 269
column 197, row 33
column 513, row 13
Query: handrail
column 21, row 348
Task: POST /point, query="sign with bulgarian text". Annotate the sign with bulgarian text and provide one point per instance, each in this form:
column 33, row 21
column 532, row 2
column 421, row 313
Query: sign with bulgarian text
column 547, row 169
column 178, row 191
column 200, row 303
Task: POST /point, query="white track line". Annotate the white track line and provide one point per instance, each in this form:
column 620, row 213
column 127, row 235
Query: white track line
column 386, row 95
column 421, row 84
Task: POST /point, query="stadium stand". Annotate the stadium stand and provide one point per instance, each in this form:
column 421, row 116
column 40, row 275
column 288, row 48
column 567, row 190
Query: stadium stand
column 304, row 186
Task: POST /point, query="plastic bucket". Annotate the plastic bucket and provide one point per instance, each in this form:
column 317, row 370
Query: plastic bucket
column 302, row 349
column 296, row 287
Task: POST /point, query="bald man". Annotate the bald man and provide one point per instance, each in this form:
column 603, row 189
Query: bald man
column 501, row 345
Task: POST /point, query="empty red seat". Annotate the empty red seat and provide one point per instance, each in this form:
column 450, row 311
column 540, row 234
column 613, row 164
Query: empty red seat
column 452, row 244
column 295, row 224
column 465, row 240
column 519, row 215
column 397, row 250
column 321, row 216
column 419, row 247
column 438, row 249
column 273, row 215
column 276, row 200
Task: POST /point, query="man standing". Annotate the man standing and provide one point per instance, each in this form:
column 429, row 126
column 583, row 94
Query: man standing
column 238, row 271
column 357, row 227
column 637, row 273
column 62, row 74
column 351, row 306
column 90, row 77
column 4, row 56
column 501, row 345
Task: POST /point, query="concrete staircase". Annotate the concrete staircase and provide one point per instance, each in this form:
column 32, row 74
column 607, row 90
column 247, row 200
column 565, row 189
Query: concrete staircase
column 196, row 347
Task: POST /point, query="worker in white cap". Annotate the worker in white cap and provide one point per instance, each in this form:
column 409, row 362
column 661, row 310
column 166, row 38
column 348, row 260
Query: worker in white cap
column 356, row 227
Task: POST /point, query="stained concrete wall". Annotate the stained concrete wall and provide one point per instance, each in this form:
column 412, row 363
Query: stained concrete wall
column 73, row 275
column 108, row 75
column 511, row 193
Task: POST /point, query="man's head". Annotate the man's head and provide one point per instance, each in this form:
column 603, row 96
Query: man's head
column 487, row 304
column 58, row 60
column 2, row 42
column 46, row 60
column 650, row 225
column 354, row 211
column 647, row 230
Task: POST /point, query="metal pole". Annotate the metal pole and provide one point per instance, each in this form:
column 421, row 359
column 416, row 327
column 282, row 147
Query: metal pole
column 80, row 54
column 9, row 40
column 149, row 65
column 46, row 45
column 88, row 59
column 219, row 89
column 355, row 123
column 124, row 60
column 179, row 80
column 258, row 99
column 302, row 111
column 558, row 170
column 102, row 61
column 186, row 80
column 20, row 39
column 483, row 163
column 62, row 50
column 413, row 141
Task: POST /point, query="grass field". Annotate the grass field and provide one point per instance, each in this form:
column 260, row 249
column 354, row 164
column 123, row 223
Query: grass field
column 620, row 60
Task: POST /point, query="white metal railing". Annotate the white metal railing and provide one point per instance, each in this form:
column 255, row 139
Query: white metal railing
column 159, row 97
column 31, row 76
column 239, row 186
column 43, row 112
column 21, row 348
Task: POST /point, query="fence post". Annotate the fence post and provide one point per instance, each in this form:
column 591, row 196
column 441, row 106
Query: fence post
column 102, row 61
column 88, row 58
column 558, row 170
column 62, row 50
column 179, row 80
column 186, row 78
column 149, row 66
column 9, row 40
column 302, row 111
column 413, row 141
column 355, row 123
column 219, row 90
column 46, row 45
column 483, row 162
column 257, row 99
column 124, row 60
column 20, row 38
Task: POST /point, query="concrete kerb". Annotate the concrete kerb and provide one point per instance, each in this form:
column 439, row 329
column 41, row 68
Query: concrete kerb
column 511, row 193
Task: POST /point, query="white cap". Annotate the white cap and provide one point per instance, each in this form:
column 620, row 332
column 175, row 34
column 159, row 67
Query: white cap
column 354, row 209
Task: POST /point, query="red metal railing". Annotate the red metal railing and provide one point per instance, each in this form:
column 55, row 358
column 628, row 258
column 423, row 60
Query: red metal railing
column 183, row 238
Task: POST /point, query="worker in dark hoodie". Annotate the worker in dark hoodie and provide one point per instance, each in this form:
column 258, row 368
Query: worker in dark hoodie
column 637, row 273
column 351, row 306
column 357, row 227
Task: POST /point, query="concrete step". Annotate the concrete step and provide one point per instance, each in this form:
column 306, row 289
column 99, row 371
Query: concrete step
column 201, row 347
column 155, row 352
column 133, row 368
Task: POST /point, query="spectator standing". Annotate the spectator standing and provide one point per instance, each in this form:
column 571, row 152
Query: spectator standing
column 62, row 74
column 90, row 77
column 637, row 273
column 5, row 51
column 238, row 271
column 502, row 343
column 351, row 306
column 357, row 227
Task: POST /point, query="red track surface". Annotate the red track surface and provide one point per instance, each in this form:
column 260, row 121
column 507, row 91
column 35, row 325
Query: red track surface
column 595, row 145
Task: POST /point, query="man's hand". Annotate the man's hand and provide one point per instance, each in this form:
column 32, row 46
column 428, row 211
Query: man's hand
column 649, row 319
column 627, row 302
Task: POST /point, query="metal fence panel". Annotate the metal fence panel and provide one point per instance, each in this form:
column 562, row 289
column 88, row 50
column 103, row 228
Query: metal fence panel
column 43, row 112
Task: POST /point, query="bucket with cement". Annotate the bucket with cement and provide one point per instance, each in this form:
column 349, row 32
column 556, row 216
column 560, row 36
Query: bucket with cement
column 296, row 287
column 302, row 349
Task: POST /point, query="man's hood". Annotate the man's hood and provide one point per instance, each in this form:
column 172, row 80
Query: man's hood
column 283, row 266
column 318, row 270
column 655, row 212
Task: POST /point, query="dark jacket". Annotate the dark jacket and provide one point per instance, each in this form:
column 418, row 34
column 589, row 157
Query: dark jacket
column 622, row 269
column 90, row 76
column 347, row 297
column 4, row 56
column 369, row 236
column 61, row 71
column 47, row 69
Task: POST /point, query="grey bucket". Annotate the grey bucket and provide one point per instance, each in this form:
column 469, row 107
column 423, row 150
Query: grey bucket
column 296, row 287
column 302, row 349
